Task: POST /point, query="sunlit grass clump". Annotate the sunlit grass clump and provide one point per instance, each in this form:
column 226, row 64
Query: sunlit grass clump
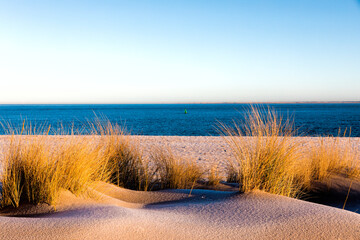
column 35, row 172
column 30, row 174
column 173, row 171
column 264, row 153
column 127, row 166
column 125, row 163
column 267, row 156
column 82, row 163
column 213, row 175
column 329, row 157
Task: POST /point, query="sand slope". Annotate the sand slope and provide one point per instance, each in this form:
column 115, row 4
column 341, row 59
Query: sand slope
column 124, row 214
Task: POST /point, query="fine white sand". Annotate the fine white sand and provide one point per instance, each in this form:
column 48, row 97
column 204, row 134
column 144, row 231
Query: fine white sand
column 118, row 213
column 172, row 214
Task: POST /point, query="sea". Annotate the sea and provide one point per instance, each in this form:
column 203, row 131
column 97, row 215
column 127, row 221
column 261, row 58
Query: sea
column 309, row 119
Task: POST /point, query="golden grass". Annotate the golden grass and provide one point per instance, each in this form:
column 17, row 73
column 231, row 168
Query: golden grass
column 266, row 158
column 34, row 172
column 127, row 166
column 173, row 171
column 232, row 174
column 81, row 164
column 129, row 169
column 125, row 162
column 330, row 156
column 265, row 154
column 29, row 174
column 213, row 176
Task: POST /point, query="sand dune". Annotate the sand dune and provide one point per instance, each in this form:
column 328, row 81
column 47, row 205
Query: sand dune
column 173, row 214
column 117, row 213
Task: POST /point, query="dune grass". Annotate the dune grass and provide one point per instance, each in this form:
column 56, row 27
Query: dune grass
column 127, row 166
column 81, row 164
column 125, row 162
column 265, row 154
column 34, row 172
column 266, row 157
column 173, row 171
column 29, row 175
column 232, row 172
column 213, row 175
column 330, row 156
column 129, row 169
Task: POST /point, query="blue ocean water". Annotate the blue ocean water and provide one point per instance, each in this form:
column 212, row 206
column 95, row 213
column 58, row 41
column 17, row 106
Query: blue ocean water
column 312, row 119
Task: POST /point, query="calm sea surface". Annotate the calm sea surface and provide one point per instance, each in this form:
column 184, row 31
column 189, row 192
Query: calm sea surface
column 170, row 119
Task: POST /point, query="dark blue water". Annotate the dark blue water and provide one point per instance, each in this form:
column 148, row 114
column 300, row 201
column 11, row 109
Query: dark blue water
column 169, row 119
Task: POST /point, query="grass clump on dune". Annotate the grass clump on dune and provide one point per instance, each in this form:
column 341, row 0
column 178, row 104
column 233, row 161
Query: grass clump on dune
column 213, row 176
column 34, row 171
column 125, row 163
column 30, row 174
column 232, row 175
column 127, row 167
column 268, row 158
column 81, row 164
column 265, row 156
column 329, row 157
column 174, row 172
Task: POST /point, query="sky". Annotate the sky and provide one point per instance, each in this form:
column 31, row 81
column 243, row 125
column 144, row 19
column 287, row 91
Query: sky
column 179, row 51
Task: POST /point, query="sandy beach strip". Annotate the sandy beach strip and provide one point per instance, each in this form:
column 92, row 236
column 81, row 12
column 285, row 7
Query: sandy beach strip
column 207, row 151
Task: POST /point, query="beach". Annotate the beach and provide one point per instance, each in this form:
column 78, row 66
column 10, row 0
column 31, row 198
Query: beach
column 180, row 120
column 112, row 212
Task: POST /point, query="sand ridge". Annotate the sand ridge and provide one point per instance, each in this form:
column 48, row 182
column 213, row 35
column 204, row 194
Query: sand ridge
column 205, row 214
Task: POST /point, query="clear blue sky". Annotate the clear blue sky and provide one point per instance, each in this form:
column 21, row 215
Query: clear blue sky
column 179, row 51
